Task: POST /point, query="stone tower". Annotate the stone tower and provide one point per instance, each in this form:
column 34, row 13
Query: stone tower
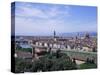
column 54, row 33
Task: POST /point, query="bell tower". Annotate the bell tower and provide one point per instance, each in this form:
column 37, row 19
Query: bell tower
column 54, row 34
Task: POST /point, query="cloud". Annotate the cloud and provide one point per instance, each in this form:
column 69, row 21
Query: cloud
column 28, row 26
column 42, row 27
column 39, row 11
column 43, row 19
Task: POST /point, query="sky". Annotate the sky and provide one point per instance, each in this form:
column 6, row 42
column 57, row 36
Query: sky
column 43, row 19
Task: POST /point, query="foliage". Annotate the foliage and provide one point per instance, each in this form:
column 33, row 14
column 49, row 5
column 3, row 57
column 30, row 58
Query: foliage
column 49, row 62
column 25, row 49
column 19, row 65
column 88, row 66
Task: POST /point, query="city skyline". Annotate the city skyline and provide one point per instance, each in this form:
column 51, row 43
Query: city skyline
column 43, row 19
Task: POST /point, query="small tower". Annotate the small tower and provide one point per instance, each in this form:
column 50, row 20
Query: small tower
column 54, row 36
column 54, row 33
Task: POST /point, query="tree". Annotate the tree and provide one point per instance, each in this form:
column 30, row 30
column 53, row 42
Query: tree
column 94, row 49
column 49, row 62
column 19, row 65
column 18, row 46
column 58, row 53
column 74, row 61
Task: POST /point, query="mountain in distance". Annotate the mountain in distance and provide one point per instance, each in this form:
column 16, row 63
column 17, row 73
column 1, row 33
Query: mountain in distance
column 81, row 34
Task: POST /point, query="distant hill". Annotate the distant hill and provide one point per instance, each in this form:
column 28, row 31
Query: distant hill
column 72, row 34
column 77, row 33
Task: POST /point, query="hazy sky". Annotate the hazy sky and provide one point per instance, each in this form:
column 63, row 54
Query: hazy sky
column 43, row 19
